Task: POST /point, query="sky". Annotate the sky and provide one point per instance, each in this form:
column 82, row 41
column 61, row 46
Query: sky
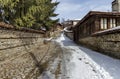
column 77, row 9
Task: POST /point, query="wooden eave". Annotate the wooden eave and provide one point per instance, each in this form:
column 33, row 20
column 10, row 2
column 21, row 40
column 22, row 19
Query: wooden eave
column 97, row 13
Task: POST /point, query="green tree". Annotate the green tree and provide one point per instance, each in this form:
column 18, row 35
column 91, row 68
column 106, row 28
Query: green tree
column 30, row 13
column 44, row 11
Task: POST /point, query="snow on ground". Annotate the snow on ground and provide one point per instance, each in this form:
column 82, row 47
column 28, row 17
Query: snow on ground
column 82, row 63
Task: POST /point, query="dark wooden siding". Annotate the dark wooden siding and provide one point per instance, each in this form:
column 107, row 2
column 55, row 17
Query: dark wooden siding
column 118, row 21
column 91, row 23
column 87, row 28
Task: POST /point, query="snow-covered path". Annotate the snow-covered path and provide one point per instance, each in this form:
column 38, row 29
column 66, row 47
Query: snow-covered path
column 82, row 63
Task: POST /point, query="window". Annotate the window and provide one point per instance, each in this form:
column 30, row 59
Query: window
column 103, row 23
column 112, row 22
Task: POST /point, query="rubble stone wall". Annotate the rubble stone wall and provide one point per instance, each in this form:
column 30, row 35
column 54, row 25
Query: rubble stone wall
column 22, row 54
column 69, row 34
column 108, row 44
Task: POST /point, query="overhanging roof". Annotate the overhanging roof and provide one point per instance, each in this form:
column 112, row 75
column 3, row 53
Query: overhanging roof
column 91, row 13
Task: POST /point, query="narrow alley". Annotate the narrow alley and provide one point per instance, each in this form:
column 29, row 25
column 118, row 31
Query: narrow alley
column 81, row 63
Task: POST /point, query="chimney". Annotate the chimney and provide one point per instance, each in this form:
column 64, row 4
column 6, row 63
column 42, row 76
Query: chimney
column 116, row 6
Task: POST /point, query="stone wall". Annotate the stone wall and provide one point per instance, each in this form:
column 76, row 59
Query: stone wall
column 106, row 43
column 69, row 34
column 23, row 55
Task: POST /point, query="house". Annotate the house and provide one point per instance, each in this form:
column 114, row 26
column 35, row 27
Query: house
column 70, row 23
column 96, row 21
column 68, row 27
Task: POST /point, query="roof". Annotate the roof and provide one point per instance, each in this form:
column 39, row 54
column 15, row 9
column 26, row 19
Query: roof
column 91, row 13
column 72, row 21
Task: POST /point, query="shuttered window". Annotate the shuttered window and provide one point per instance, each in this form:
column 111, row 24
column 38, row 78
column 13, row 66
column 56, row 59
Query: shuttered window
column 103, row 23
column 112, row 22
